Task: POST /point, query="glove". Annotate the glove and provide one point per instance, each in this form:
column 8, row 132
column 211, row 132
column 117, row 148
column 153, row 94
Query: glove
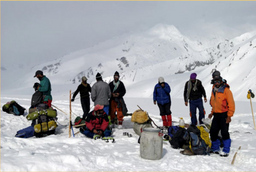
column 109, row 119
column 72, row 99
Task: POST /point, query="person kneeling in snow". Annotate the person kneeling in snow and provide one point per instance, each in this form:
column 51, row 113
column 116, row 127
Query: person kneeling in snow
column 96, row 123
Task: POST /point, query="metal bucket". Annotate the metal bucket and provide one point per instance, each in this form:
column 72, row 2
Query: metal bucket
column 151, row 144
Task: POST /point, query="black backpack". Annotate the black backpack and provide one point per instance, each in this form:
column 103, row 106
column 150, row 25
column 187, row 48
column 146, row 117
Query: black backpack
column 44, row 125
column 177, row 141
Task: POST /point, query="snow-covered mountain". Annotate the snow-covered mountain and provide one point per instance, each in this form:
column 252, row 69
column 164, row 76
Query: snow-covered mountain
column 159, row 51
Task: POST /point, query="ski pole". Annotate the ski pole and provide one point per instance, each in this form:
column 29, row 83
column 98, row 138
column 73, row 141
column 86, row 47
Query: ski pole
column 69, row 128
column 250, row 95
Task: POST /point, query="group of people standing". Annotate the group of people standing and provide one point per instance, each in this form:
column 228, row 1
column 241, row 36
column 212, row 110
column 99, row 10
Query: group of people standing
column 110, row 108
column 108, row 96
column 222, row 102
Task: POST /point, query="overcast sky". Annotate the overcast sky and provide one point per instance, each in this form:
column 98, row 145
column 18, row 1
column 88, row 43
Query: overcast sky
column 35, row 32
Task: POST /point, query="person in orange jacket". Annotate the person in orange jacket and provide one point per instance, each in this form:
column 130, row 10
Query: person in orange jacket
column 223, row 108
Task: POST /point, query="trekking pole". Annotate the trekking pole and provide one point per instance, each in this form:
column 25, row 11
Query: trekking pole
column 69, row 128
column 250, row 95
column 60, row 109
column 233, row 161
column 150, row 119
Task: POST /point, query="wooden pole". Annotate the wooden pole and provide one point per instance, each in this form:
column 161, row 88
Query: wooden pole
column 59, row 109
column 233, row 161
column 252, row 113
column 69, row 128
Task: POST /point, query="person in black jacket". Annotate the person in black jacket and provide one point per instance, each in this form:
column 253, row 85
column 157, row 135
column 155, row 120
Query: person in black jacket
column 37, row 97
column 117, row 104
column 84, row 88
column 193, row 92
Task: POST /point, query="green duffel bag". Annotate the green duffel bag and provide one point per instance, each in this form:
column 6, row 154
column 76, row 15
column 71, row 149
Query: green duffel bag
column 33, row 115
column 49, row 112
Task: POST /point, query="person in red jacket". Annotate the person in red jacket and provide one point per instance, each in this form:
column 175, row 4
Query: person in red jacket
column 96, row 123
column 223, row 108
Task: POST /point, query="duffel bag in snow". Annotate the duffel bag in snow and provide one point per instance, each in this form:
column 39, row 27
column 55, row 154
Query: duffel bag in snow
column 26, row 132
column 13, row 107
column 140, row 116
column 49, row 112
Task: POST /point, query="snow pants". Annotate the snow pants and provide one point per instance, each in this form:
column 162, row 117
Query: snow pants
column 193, row 105
column 219, row 124
column 85, row 102
column 166, row 114
column 116, row 108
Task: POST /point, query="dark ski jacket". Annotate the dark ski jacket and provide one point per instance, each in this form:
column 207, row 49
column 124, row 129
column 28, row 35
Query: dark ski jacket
column 120, row 100
column 120, row 89
column 190, row 93
column 162, row 95
column 97, row 122
column 37, row 98
column 84, row 90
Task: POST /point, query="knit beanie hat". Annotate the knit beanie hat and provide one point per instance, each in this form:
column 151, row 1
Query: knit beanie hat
column 98, row 76
column 116, row 74
column 193, row 76
column 216, row 75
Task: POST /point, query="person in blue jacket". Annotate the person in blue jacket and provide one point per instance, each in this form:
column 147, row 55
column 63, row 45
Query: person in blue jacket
column 161, row 97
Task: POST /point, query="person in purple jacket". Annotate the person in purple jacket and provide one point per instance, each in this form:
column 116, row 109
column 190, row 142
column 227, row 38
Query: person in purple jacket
column 161, row 97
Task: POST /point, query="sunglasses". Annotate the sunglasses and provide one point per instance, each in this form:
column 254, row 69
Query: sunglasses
column 216, row 82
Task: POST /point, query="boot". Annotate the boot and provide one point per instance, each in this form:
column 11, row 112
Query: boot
column 165, row 123
column 226, row 146
column 215, row 146
column 169, row 119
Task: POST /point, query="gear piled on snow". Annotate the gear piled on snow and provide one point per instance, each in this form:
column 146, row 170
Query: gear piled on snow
column 13, row 107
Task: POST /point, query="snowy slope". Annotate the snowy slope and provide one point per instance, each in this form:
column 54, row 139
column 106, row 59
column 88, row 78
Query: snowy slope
column 159, row 51
column 140, row 59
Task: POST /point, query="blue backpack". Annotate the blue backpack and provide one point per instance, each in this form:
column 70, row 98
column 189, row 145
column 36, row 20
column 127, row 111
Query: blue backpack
column 196, row 143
